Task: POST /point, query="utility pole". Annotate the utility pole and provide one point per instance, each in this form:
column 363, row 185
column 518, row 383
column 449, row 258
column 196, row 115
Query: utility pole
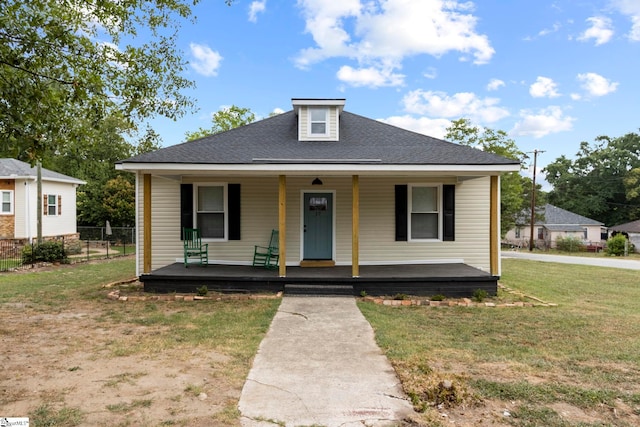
column 533, row 198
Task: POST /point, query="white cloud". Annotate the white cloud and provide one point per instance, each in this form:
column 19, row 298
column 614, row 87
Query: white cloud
column 430, row 73
column 544, row 87
column 381, row 34
column 463, row 104
column 600, row 30
column 555, row 28
column 495, row 84
column 546, row 121
column 256, row 7
column 596, row 85
column 632, row 9
column 436, row 128
column 370, row 77
column 206, row 61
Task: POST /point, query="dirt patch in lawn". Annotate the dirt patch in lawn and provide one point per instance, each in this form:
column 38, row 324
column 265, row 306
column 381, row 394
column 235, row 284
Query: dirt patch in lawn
column 53, row 363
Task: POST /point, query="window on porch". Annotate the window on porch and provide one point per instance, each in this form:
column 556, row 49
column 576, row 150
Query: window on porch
column 210, row 214
column 425, row 212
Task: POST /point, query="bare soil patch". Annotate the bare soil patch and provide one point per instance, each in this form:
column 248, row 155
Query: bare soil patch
column 66, row 360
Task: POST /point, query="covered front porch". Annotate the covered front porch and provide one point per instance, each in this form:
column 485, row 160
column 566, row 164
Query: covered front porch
column 449, row 279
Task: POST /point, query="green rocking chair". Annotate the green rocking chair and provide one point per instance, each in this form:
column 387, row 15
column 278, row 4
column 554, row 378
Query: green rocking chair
column 267, row 256
column 194, row 248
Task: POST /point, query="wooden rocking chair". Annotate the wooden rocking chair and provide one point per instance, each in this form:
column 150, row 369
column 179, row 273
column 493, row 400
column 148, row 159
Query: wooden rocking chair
column 267, row 256
column 194, row 248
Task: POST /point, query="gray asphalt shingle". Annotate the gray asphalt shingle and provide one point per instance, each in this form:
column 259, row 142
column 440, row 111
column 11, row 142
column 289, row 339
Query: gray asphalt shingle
column 275, row 140
column 20, row 169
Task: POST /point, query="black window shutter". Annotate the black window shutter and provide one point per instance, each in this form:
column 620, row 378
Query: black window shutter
column 401, row 213
column 233, row 200
column 449, row 210
column 186, row 207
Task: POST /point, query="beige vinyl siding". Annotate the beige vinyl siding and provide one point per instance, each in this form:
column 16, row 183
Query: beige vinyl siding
column 332, row 124
column 377, row 225
column 259, row 215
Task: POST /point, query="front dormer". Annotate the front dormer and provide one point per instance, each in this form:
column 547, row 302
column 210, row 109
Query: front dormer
column 318, row 119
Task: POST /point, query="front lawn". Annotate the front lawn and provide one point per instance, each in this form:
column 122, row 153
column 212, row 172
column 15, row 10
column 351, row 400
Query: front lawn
column 577, row 364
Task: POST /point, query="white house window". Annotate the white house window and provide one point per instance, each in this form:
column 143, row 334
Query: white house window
column 210, row 211
column 318, row 121
column 7, row 203
column 518, row 232
column 424, row 218
column 52, row 207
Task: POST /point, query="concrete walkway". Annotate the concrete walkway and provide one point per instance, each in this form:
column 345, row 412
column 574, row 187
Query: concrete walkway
column 319, row 365
column 613, row 262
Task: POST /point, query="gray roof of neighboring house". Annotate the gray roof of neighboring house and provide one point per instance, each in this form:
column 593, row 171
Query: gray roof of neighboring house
column 629, row 227
column 12, row 169
column 362, row 140
column 558, row 219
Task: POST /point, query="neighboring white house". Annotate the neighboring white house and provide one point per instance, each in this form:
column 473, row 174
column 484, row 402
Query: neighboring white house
column 19, row 195
column 341, row 188
column 557, row 223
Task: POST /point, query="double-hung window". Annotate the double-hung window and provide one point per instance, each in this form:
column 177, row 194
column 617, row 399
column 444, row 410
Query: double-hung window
column 7, row 202
column 424, row 212
column 211, row 210
column 318, row 118
column 52, row 205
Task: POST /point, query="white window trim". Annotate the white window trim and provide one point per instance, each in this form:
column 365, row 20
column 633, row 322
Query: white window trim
column 55, row 204
column 325, row 121
column 438, row 187
column 224, row 186
column 11, row 203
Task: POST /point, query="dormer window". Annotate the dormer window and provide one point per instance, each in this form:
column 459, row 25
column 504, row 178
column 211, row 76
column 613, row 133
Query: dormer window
column 318, row 121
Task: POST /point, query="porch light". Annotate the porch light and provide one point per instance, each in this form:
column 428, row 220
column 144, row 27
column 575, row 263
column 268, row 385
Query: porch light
column 316, row 181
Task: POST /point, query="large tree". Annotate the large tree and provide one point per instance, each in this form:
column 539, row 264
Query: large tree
column 65, row 65
column 92, row 160
column 224, row 119
column 515, row 189
column 602, row 182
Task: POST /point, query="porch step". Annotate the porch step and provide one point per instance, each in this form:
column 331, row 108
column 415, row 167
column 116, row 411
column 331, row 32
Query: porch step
column 318, row 289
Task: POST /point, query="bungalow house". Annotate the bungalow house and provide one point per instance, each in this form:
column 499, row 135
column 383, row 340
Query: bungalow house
column 356, row 202
column 19, row 210
column 629, row 229
column 556, row 222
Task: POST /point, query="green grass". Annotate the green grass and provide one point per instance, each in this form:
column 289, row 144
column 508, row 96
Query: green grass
column 46, row 416
column 584, row 352
column 64, row 282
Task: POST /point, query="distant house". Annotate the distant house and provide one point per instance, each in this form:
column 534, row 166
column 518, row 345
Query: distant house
column 631, row 230
column 18, row 191
column 557, row 223
column 347, row 193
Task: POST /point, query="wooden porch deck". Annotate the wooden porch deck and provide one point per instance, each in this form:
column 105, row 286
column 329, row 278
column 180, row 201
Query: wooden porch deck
column 452, row 280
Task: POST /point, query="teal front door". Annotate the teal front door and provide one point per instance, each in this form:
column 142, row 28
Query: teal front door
column 318, row 226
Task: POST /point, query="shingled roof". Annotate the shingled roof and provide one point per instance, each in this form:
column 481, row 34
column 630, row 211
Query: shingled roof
column 558, row 219
column 362, row 140
column 12, row 169
column 629, row 227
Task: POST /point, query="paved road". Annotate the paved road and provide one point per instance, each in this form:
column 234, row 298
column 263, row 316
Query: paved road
column 565, row 259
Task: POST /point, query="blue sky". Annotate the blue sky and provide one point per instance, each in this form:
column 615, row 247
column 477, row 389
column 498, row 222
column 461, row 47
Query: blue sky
column 550, row 73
